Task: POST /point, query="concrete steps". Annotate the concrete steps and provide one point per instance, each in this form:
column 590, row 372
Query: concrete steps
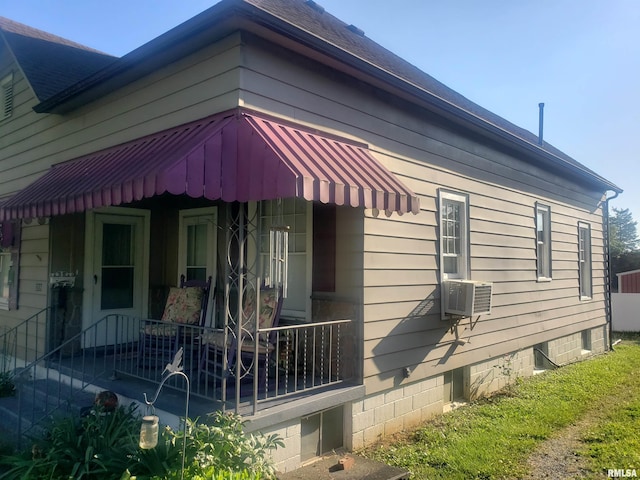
column 37, row 401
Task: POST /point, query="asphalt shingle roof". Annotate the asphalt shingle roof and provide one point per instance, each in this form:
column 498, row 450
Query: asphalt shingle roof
column 49, row 62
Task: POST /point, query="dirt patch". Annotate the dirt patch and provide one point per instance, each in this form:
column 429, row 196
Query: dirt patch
column 556, row 457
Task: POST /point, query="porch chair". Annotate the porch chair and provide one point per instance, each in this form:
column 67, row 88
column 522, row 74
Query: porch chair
column 185, row 311
column 213, row 347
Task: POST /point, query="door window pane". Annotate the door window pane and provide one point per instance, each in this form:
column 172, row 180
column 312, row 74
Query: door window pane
column 197, row 251
column 117, row 288
column 117, row 244
column 117, row 266
column 197, row 273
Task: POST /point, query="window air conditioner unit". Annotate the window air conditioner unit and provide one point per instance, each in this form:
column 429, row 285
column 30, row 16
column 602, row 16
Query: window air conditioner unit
column 467, row 298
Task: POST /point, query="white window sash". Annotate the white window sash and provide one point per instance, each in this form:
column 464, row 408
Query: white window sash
column 543, row 241
column 454, row 236
column 585, row 265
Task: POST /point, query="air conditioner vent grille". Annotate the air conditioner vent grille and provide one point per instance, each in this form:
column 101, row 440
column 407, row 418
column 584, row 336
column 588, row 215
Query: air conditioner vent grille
column 482, row 298
column 467, row 298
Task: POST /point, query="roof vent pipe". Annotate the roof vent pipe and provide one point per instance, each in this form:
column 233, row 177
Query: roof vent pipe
column 315, row 6
column 356, row 30
column 541, row 123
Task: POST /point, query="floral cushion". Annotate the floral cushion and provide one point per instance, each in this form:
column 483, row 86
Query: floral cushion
column 160, row 329
column 267, row 311
column 215, row 338
column 263, row 347
column 183, row 305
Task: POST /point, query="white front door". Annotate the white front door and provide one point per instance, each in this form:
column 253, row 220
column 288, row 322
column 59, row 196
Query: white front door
column 116, row 268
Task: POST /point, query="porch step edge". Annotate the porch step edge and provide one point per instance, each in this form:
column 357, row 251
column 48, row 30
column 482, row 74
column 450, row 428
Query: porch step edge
column 303, row 407
column 166, row 418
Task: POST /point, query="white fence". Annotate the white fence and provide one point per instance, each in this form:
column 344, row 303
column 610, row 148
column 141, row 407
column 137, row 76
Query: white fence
column 625, row 310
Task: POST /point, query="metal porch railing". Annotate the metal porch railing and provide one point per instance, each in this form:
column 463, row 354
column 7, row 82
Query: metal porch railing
column 23, row 342
column 299, row 360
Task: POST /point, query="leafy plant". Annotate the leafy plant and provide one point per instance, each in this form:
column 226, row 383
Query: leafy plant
column 7, row 387
column 221, row 475
column 105, row 444
column 98, row 445
column 215, row 450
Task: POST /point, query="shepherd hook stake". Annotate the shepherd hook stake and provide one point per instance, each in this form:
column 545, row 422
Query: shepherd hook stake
column 174, row 368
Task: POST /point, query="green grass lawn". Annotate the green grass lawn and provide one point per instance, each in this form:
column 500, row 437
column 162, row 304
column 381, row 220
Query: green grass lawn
column 492, row 438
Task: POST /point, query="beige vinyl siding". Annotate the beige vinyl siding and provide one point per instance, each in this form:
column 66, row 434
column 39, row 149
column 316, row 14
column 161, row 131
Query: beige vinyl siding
column 22, row 93
column 7, row 63
column 349, row 237
column 11, row 128
column 33, row 286
column 393, row 267
column 33, row 281
column 34, row 266
column 33, row 272
column 401, row 278
column 194, row 87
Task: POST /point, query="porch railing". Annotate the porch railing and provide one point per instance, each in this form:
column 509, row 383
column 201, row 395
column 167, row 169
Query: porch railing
column 58, row 382
column 244, row 376
column 283, row 362
column 23, row 342
column 294, row 361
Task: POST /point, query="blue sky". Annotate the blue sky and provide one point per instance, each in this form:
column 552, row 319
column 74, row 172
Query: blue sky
column 580, row 57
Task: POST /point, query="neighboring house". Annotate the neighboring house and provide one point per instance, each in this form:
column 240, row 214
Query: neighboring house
column 629, row 282
column 625, row 304
column 190, row 155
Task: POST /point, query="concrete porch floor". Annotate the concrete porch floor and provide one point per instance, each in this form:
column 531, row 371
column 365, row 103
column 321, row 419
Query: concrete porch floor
column 170, row 404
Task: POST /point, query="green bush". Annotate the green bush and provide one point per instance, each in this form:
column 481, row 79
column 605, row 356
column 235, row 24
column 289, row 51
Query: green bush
column 222, row 445
column 104, row 445
column 215, row 449
column 7, row 387
column 222, row 475
column 98, row 445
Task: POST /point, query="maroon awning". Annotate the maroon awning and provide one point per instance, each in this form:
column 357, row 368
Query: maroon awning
column 234, row 156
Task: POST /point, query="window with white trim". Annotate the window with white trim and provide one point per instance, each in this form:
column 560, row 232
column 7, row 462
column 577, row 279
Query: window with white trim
column 5, row 279
column 6, row 93
column 543, row 241
column 297, row 214
column 584, row 259
column 454, row 235
column 198, row 250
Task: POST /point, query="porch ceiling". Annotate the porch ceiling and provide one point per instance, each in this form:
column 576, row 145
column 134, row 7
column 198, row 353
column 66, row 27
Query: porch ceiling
column 233, row 156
